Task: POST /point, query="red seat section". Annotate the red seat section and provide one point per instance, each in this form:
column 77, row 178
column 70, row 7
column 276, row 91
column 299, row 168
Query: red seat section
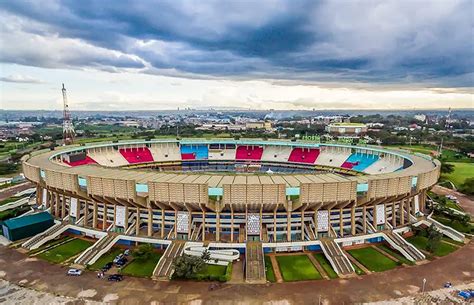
column 87, row 160
column 188, row 156
column 249, row 153
column 349, row 165
column 137, row 154
column 304, row 155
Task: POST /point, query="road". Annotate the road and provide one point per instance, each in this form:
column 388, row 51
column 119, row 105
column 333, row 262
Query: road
column 466, row 202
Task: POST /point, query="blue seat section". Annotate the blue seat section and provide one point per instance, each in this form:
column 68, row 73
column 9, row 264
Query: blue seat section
column 362, row 160
column 201, row 152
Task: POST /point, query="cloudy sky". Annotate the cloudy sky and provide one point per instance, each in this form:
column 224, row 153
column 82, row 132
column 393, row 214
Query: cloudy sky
column 120, row 55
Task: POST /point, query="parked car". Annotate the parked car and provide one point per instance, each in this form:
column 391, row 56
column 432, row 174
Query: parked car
column 74, row 272
column 115, row 278
column 121, row 262
column 117, row 258
column 107, row 266
column 126, row 252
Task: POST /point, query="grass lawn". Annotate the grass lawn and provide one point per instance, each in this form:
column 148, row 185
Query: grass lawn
column 61, row 239
column 104, row 259
column 396, row 254
column 142, row 268
column 297, row 268
column 326, row 265
column 462, row 171
column 269, row 269
column 8, row 200
column 65, row 251
column 213, row 270
column 469, row 228
column 372, row 259
column 421, row 242
column 449, row 240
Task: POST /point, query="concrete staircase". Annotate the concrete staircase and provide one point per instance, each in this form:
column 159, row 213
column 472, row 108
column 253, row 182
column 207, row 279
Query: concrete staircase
column 339, row 261
column 408, row 250
column 164, row 269
column 254, row 263
column 42, row 238
column 93, row 253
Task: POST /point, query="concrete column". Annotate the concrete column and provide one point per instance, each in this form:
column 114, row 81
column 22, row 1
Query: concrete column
column 246, row 220
column 203, row 225
column 353, row 225
column 316, row 222
column 78, row 209
column 190, row 221
column 162, row 223
column 137, row 227
column 374, row 218
column 94, row 215
column 402, row 213
column 288, row 226
column 275, row 225
column 394, row 215
column 150, row 222
column 126, row 218
column 261, row 224
column 176, row 224
column 86, row 213
column 104, row 217
column 56, row 204
column 302, row 225
column 409, row 200
column 364, row 219
column 341, row 223
column 114, row 220
column 63, row 206
column 218, row 226
column 231, row 225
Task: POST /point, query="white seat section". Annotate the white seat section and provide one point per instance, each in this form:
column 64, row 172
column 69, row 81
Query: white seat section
column 333, row 155
column 385, row 164
column 107, row 156
column 165, row 152
column 221, row 154
column 276, row 153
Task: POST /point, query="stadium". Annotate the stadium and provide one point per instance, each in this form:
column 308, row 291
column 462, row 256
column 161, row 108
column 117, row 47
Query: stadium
column 253, row 196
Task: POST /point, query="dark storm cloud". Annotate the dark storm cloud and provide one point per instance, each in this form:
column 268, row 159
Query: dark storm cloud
column 369, row 41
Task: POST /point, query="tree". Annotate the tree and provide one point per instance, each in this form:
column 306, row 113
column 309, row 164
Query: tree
column 434, row 239
column 187, row 266
column 467, row 187
column 446, row 168
column 206, row 255
column 143, row 252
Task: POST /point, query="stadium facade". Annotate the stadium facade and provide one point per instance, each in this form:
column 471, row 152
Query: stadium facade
column 282, row 194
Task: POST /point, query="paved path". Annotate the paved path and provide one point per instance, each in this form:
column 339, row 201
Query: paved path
column 318, row 266
column 465, row 201
column 8, row 192
column 276, row 269
column 457, row 268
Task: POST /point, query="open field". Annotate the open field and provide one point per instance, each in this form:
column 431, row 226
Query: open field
column 326, row 265
column 269, row 269
column 462, row 171
column 421, row 243
column 212, row 271
column 65, row 251
column 372, row 259
column 142, row 267
column 297, row 268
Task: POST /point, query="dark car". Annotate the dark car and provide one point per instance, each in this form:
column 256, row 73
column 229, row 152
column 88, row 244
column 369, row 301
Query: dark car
column 115, row 278
column 107, row 266
column 121, row 262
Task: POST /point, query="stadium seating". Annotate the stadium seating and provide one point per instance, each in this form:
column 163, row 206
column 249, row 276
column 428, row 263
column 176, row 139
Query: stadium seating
column 87, row 160
column 249, row 153
column 194, row 152
column 303, row 155
column 387, row 164
column 137, row 154
column 359, row 161
column 333, row 156
column 165, row 152
column 276, row 153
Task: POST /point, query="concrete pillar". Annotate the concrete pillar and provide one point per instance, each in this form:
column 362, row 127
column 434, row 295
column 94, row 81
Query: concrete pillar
column 126, row 218
column 288, row 226
column 175, row 224
column 203, row 225
column 162, row 223
column 394, row 215
column 94, row 215
column 218, row 226
column 246, row 221
column 137, row 227
column 261, row 224
column 364, row 219
column 402, row 213
column 341, row 223
column 86, row 213
column 63, row 207
column 374, row 218
column 316, row 223
column 353, row 225
column 302, row 225
column 274, row 225
column 78, row 209
column 105, row 213
column 56, row 205
column 150, row 222
column 231, row 225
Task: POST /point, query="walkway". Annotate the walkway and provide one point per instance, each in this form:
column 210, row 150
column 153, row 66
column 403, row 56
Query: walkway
column 16, row 267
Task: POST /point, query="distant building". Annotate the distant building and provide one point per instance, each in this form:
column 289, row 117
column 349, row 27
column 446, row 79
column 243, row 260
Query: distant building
column 349, row 129
column 420, row 117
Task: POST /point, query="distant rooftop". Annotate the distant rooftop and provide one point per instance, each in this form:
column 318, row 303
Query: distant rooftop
column 348, row 124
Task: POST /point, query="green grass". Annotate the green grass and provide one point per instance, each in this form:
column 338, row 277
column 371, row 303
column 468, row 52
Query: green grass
column 142, row 267
column 51, row 243
column 326, row 265
column 469, row 228
column 449, row 240
column 462, row 171
column 212, row 270
column 13, row 212
column 358, row 270
column 297, row 268
column 65, row 251
column 106, row 258
column 421, row 242
column 396, row 254
column 372, row 259
column 269, row 269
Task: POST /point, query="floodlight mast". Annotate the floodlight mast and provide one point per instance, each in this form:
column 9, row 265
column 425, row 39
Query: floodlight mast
column 68, row 127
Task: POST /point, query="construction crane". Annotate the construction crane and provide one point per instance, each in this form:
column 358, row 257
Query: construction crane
column 68, row 127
